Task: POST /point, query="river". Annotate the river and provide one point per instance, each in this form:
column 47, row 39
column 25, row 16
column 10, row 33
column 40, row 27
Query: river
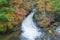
column 29, row 31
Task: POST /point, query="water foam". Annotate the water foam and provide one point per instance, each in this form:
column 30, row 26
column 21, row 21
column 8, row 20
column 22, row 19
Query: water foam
column 30, row 31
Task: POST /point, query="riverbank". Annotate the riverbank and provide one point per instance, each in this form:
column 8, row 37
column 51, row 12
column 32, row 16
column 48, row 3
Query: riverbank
column 8, row 36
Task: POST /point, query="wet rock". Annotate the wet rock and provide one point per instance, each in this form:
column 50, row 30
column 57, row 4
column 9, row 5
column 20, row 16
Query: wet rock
column 57, row 31
column 54, row 25
column 50, row 19
column 40, row 20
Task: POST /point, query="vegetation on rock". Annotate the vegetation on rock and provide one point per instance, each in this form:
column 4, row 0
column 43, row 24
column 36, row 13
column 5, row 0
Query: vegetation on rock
column 12, row 12
column 47, row 14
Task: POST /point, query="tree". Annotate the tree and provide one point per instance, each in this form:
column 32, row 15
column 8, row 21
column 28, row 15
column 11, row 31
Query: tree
column 5, row 8
column 55, row 4
column 4, row 17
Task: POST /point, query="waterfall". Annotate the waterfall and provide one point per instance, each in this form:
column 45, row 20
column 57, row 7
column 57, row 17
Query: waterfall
column 30, row 31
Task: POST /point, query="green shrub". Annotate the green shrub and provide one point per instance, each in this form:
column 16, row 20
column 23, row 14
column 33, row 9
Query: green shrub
column 3, row 17
column 55, row 4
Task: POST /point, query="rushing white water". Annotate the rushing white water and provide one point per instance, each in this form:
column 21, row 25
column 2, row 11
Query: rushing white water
column 57, row 31
column 30, row 31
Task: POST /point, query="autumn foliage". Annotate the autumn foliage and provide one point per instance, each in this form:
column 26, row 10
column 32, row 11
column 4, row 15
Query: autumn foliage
column 12, row 12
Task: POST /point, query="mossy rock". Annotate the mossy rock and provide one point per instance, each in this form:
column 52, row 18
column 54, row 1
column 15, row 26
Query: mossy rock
column 38, row 18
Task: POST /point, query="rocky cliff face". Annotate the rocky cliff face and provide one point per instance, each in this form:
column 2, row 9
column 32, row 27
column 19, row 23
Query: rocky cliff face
column 46, row 17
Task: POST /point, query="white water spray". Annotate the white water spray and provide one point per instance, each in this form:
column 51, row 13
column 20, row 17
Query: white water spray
column 30, row 31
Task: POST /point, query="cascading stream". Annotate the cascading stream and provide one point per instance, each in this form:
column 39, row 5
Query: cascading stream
column 30, row 31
